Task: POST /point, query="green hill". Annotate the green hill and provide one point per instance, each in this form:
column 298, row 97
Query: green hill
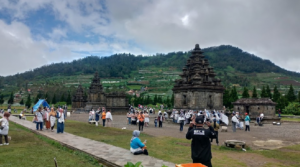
column 158, row 72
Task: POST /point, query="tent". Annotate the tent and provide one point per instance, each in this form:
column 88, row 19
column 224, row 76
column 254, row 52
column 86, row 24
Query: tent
column 40, row 102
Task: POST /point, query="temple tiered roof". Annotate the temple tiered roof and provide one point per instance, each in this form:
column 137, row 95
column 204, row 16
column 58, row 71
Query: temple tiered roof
column 197, row 73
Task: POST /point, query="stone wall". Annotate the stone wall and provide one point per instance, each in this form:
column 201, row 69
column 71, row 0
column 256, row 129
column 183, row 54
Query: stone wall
column 255, row 110
column 198, row 100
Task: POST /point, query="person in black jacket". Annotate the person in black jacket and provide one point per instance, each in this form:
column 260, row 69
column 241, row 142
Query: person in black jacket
column 201, row 146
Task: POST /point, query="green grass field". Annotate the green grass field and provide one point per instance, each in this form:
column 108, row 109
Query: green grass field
column 178, row 150
column 27, row 149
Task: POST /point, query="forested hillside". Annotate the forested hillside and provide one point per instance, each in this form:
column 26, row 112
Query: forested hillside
column 121, row 65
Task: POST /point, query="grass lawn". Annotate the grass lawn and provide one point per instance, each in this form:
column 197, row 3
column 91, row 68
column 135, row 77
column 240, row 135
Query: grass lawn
column 28, row 149
column 178, row 150
column 290, row 119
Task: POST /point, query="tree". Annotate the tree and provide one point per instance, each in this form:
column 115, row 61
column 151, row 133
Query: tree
column 69, row 101
column 282, row 103
column 226, row 98
column 276, row 94
column 62, row 99
column 254, row 93
column 268, row 91
column 245, row 93
column 233, row 96
column 299, row 96
column 291, row 97
column 263, row 93
column 22, row 102
column 28, row 102
column 172, row 100
column 54, row 99
column 11, row 99
column 1, row 99
column 155, row 100
column 46, row 96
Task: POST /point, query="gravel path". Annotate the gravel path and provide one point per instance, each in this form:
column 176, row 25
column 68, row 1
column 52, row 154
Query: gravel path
column 288, row 133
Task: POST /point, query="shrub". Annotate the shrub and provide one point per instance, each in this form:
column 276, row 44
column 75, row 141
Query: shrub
column 292, row 108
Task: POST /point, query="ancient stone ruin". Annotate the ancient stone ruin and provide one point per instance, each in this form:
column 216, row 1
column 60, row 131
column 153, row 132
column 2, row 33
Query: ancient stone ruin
column 254, row 106
column 96, row 98
column 198, row 88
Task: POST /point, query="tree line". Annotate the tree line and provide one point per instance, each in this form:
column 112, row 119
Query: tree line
column 283, row 101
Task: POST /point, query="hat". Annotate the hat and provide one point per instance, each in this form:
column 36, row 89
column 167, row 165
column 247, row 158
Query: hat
column 200, row 119
column 246, row 113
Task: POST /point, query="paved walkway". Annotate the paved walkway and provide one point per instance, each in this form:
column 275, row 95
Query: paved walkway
column 107, row 154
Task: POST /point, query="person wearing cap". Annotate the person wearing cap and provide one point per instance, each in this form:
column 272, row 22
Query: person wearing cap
column 201, row 146
column 247, row 122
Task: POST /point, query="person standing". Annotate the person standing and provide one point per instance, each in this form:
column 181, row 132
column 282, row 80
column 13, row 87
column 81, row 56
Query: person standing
column 5, row 127
column 97, row 117
column 201, row 146
column 129, row 118
column 52, row 116
column 39, row 119
column 247, row 122
column 181, row 120
column 60, row 121
column 279, row 113
column 109, row 118
column 216, row 127
column 234, row 121
column 133, row 119
column 103, row 116
column 160, row 120
column 141, row 118
column 146, row 119
column 47, row 121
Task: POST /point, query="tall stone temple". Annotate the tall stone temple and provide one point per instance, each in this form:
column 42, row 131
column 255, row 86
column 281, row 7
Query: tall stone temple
column 198, row 88
column 98, row 98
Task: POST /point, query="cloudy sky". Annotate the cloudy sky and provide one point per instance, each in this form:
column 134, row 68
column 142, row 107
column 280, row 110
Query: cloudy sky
column 38, row 32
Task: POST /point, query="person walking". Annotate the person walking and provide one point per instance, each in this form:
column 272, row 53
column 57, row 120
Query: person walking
column 216, row 127
column 4, row 128
column 60, row 121
column 103, row 117
column 234, row 122
column 201, row 146
column 141, row 118
column 39, row 119
column 109, row 118
column 247, row 122
column 160, row 119
column 52, row 115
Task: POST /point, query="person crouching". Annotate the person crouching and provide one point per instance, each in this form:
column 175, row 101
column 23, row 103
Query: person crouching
column 136, row 146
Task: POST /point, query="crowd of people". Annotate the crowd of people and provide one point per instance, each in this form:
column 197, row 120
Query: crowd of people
column 106, row 116
column 45, row 117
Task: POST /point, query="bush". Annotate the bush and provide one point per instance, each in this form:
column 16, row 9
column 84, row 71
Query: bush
column 60, row 104
column 292, row 108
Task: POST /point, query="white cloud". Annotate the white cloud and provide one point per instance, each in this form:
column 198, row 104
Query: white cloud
column 267, row 28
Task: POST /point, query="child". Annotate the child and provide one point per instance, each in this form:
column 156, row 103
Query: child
column 155, row 122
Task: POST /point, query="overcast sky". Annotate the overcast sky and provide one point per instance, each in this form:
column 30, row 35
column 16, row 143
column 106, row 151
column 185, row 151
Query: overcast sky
column 38, row 32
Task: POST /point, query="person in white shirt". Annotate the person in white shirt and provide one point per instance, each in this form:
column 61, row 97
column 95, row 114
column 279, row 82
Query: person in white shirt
column 39, row 119
column 5, row 124
column 261, row 116
column 109, row 118
column 60, row 121
column 234, row 121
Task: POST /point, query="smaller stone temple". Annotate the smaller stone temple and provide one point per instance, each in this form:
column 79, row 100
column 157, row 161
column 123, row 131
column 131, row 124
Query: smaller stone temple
column 96, row 98
column 198, row 88
column 79, row 99
column 254, row 106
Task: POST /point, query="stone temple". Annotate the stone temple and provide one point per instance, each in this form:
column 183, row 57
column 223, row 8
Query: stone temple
column 198, row 88
column 98, row 98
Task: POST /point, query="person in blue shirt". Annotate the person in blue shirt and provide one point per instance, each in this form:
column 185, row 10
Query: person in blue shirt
column 136, row 146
